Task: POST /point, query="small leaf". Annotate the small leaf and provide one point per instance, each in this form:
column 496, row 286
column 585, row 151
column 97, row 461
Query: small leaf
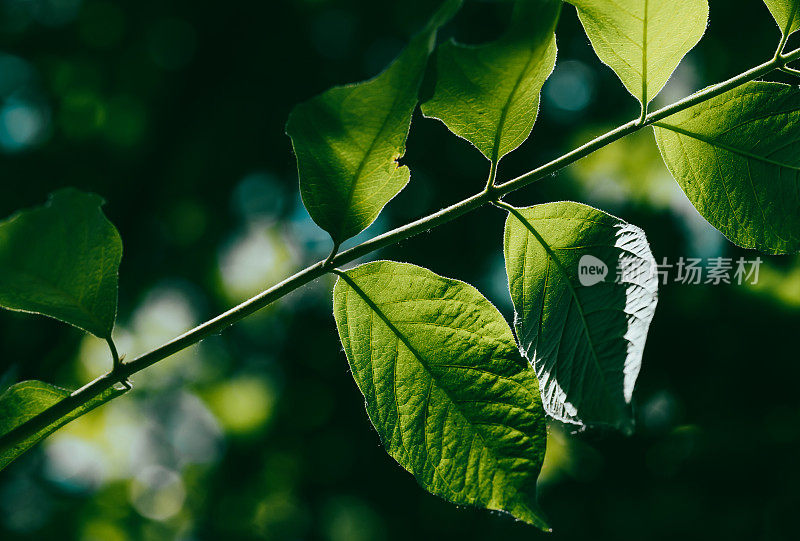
column 643, row 41
column 489, row 94
column 737, row 158
column 349, row 139
column 786, row 13
column 22, row 401
column 446, row 388
column 582, row 327
column 61, row 260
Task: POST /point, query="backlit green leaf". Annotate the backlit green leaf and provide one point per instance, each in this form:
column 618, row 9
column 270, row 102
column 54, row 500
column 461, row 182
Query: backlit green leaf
column 737, row 158
column 489, row 94
column 786, row 13
column 584, row 288
column 61, row 260
column 643, row 41
column 22, row 401
column 349, row 139
column 445, row 386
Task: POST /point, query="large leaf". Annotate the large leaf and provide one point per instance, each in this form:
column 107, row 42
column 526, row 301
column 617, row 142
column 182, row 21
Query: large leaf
column 643, row 41
column 737, row 158
column 786, row 13
column 584, row 288
column 22, row 401
column 61, row 260
column 446, row 388
column 489, row 94
column 349, row 139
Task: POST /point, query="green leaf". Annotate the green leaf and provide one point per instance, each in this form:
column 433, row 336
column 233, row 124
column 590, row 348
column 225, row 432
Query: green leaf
column 26, row 399
column 583, row 330
column 445, row 386
column 489, row 94
column 349, row 139
column 61, row 260
column 737, row 158
column 786, row 13
column 643, row 41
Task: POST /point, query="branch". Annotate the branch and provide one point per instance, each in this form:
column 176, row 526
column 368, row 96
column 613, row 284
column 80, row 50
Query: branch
column 303, row 277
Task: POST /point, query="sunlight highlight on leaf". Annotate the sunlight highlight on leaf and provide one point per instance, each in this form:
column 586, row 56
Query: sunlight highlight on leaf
column 584, row 288
column 446, row 388
column 786, row 13
column 349, row 140
column 737, row 158
column 643, row 41
column 489, row 94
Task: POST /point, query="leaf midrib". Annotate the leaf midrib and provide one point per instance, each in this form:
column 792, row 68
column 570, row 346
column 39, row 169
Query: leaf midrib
column 402, row 338
column 730, row 148
column 788, row 28
column 504, row 111
column 571, row 288
column 644, row 56
column 365, row 157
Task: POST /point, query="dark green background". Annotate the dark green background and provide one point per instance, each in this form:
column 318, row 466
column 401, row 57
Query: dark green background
column 174, row 111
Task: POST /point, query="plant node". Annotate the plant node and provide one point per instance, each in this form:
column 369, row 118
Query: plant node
column 328, row 263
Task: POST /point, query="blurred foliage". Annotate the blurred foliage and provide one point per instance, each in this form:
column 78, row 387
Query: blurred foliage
column 174, row 112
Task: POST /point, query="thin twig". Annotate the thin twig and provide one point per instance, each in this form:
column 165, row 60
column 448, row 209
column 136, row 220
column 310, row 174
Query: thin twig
column 303, row 277
column 790, row 71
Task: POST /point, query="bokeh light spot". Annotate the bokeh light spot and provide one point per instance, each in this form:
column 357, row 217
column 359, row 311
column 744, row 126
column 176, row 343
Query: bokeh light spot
column 252, row 259
column 352, row 519
column 76, row 464
column 571, row 87
column 244, row 404
column 157, row 493
column 21, row 125
column 258, row 196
